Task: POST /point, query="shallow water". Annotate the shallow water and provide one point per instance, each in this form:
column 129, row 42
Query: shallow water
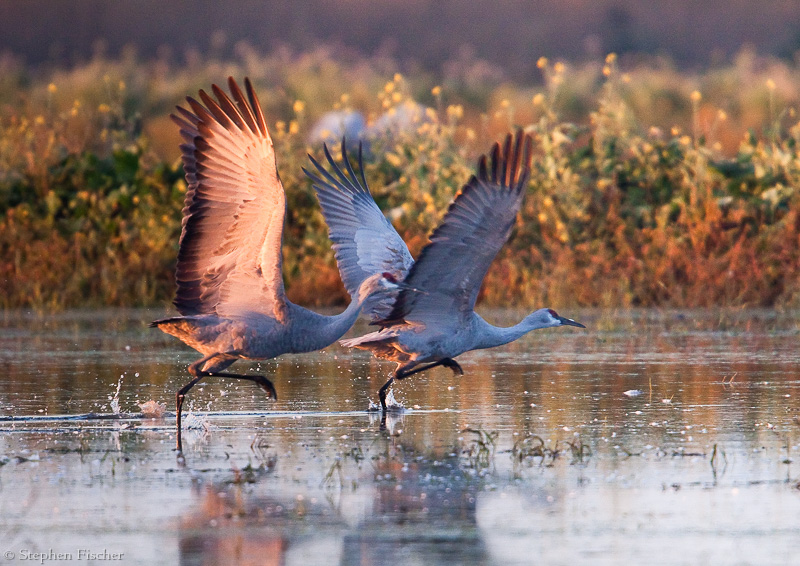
column 652, row 437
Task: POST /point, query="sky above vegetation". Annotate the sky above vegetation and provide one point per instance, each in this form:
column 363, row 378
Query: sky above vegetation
column 511, row 34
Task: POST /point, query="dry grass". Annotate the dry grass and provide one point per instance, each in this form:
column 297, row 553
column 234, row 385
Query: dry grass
column 651, row 187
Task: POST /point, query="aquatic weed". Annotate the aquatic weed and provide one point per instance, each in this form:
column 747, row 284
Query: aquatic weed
column 531, row 447
column 480, row 450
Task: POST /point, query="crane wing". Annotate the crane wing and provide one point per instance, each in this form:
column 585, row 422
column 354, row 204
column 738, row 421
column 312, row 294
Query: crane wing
column 364, row 241
column 451, row 268
column 229, row 257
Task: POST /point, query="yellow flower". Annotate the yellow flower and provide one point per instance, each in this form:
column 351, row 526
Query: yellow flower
column 294, row 127
column 770, row 84
column 455, row 111
column 104, row 108
column 696, row 96
column 436, row 91
column 558, row 67
column 398, row 77
column 538, row 100
column 542, row 62
column 611, row 57
column 52, row 88
column 393, row 159
column 299, row 106
column 722, row 115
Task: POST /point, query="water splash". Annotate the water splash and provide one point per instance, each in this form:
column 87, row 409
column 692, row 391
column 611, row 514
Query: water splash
column 195, row 421
column 152, row 409
column 393, row 404
column 115, row 399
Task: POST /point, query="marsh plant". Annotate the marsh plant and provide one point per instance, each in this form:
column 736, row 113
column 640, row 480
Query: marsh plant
column 531, row 448
column 478, row 448
column 650, row 187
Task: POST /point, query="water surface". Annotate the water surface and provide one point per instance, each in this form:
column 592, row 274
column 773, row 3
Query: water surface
column 652, row 437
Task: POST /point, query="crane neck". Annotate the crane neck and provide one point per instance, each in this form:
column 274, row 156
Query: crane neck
column 339, row 324
column 313, row 331
column 490, row 335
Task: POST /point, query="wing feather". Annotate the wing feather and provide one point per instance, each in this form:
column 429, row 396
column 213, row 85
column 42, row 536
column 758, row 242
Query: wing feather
column 451, row 268
column 364, row 241
column 229, row 257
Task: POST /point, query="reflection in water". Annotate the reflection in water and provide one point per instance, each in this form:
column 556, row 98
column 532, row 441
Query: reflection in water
column 423, row 513
column 701, row 466
column 420, row 510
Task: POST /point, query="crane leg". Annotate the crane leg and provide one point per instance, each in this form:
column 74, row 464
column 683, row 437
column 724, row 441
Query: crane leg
column 453, row 365
column 382, row 393
column 198, row 375
column 402, row 373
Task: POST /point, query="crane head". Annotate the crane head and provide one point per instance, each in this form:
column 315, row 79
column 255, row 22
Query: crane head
column 377, row 282
column 548, row 318
column 563, row 321
column 383, row 281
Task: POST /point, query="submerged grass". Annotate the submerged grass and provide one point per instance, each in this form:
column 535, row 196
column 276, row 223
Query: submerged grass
column 479, row 451
column 650, row 187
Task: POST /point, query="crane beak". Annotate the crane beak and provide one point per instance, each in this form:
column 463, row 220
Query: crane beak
column 406, row 287
column 395, row 284
column 390, row 281
column 569, row 322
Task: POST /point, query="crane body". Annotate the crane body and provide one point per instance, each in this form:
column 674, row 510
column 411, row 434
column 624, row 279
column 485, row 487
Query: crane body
column 432, row 319
column 230, row 284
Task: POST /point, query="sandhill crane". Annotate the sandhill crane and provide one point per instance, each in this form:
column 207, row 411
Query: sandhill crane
column 435, row 322
column 230, row 287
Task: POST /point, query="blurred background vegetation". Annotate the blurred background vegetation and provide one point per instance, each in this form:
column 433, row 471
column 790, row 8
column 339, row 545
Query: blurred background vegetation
column 666, row 175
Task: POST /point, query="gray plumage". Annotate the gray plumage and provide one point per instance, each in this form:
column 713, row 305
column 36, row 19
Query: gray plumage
column 364, row 241
column 230, row 286
column 431, row 320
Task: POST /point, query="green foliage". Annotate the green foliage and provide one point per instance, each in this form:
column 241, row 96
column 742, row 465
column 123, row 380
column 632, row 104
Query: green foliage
column 642, row 192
